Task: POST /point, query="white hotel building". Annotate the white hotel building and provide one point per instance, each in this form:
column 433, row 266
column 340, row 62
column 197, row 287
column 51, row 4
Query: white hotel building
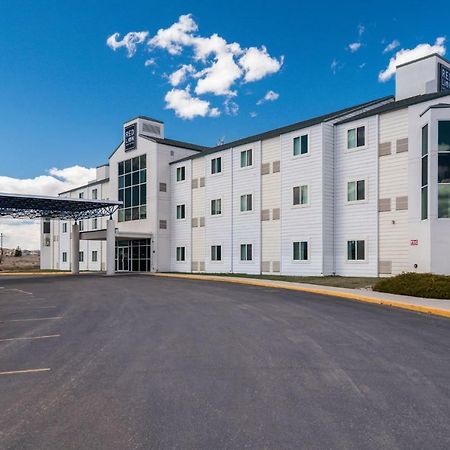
column 363, row 191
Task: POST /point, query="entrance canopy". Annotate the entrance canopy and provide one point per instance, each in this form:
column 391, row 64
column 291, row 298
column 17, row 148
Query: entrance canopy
column 34, row 207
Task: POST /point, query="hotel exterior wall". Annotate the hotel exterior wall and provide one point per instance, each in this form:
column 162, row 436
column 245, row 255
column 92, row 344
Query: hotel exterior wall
column 198, row 213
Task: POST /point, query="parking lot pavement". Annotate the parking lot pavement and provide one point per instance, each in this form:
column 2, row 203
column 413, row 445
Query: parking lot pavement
column 144, row 362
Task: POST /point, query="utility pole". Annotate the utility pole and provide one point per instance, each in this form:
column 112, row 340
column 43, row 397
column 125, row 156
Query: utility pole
column 1, row 247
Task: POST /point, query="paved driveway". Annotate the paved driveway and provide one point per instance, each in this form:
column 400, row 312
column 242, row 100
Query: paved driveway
column 136, row 362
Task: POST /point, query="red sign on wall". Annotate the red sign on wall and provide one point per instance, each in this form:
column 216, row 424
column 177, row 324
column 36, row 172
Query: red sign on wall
column 414, row 242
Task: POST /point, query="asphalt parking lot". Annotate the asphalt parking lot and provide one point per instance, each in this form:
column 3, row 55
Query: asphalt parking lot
column 137, row 362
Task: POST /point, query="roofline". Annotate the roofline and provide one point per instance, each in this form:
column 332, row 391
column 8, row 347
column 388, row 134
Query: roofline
column 102, row 165
column 421, row 59
column 174, row 143
column 284, row 129
column 47, row 197
column 115, row 150
column 144, row 117
column 437, row 106
column 104, row 180
column 394, row 106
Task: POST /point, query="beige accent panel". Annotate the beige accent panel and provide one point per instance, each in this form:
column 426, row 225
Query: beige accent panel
column 402, row 145
column 275, row 266
column 194, row 222
column 265, row 214
column 201, row 266
column 162, row 187
column 265, row 169
column 195, row 183
column 401, row 203
column 163, row 224
column 276, row 166
column 265, row 266
column 385, row 267
column 201, row 222
column 276, row 214
column 202, row 181
column 195, row 266
column 384, row 204
column 384, row 149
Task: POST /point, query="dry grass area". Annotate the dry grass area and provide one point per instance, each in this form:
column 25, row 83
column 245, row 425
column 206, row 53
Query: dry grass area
column 19, row 264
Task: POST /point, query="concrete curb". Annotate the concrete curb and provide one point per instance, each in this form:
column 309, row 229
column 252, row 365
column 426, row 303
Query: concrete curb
column 319, row 290
column 9, row 274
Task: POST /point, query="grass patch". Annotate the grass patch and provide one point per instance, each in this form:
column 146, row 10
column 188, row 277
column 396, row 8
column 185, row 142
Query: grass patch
column 334, row 281
column 416, row 284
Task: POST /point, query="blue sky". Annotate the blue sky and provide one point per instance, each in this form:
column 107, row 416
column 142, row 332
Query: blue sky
column 64, row 93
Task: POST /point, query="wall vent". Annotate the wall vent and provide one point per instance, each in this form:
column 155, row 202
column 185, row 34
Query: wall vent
column 150, row 128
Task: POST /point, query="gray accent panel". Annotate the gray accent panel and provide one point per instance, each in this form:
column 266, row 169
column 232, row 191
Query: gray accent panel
column 201, row 266
column 194, row 222
column 201, row 222
column 162, row 187
column 402, row 145
column 194, row 183
column 194, row 266
column 385, row 267
column 265, row 266
column 275, row 266
column 384, row 204
column 401, row 203
column 384, row 149
column 265, row 214
column 163, row 224
column 202, row 181
column 276, row 166
column 276, row 214
column 265, row 168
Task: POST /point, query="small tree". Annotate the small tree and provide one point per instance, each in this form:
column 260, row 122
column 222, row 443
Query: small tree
column 17, row 252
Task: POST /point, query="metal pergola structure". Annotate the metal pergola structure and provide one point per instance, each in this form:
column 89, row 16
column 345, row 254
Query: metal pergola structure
column 19, row 206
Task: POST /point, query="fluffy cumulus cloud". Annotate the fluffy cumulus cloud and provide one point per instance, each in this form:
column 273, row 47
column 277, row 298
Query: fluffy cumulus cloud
column 25, row 233
column 212, row 66
column 270, row 96
column 186, row 106
column 130, row 41
column 406, row 55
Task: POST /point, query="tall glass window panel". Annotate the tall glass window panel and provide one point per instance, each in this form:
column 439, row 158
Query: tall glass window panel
column 424, row 175
column 444, row 169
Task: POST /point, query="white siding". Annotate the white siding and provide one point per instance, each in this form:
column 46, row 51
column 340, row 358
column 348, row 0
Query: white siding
column 199, row 253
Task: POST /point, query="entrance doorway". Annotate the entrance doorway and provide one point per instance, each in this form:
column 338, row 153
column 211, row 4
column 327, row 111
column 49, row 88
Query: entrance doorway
column 133, row 255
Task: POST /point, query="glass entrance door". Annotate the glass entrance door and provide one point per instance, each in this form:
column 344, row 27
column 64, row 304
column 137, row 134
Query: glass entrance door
column 123, row 259
column 133, row 255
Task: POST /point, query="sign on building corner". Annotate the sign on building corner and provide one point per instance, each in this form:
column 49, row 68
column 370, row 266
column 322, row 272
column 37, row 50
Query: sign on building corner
column 130, row 137
column 444, row 78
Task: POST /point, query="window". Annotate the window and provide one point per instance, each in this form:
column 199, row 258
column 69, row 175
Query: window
column 246, row 202
column 424, row 183
column 356, row 137
column 81, row 225
column 81, row 256
column 181, row 254
column 216, row 165
column 216, row 253
column 356, row 250
column 300, row 145
column 216, row 207
column 94, row 256
column 444, row 169
column 64, row 227
column 246, row 252
column 133, row 188
column 181, row 211
column 81, row 195
column 300, row 195
column 300, row 251
column 356, row 190
column 181, row 173
column 94, row 223
column 94, row 194
column 64, row 256
column 247, row 158
column 46, row 226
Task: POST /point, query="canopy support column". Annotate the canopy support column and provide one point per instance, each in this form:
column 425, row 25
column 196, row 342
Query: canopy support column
column 75, row 249
column 110, row 246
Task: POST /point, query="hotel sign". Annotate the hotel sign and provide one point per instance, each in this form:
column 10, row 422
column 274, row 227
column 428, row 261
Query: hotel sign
column 444, row 78
column 130, row 137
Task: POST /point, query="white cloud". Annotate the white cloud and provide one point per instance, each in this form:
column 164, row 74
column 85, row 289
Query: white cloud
column 253, row 114
column 354, row 46
column 150, row 62
column 188, row 107
column 406, row 55
column 257, row 64
column 270, row 96
column 361, row 29
column 391, row 46
column 334, row 66
column 130, row 41
column 25, row 233
column 362, row 65
column 231, row 107
column 179, row 76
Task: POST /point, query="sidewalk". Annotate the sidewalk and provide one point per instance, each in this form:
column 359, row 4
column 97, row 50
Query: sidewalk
column 424, row 305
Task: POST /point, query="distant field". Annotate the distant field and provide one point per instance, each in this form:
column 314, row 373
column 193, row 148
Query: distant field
column 10, row 263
